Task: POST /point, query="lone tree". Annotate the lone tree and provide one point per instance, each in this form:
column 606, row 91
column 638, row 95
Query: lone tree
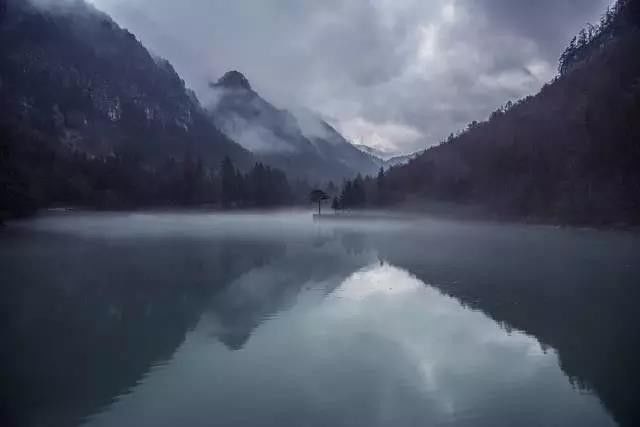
column 318, row 196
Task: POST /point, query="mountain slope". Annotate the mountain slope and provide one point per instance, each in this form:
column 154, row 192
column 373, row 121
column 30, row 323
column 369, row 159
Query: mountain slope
column 384, row 159
column 75, row 88
column 72, row 70
column 382, row 155
column 301, row 143
column 400, row 160
column 568, row 154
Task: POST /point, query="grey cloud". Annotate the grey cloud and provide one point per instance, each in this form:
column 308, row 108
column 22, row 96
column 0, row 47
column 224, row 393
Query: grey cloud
column 404, row 73
column 545, row 21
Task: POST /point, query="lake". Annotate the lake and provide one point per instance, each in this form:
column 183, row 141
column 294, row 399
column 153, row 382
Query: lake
column 272, row 319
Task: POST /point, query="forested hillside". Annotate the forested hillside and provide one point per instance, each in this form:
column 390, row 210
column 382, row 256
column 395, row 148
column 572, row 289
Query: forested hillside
column 90, row 117
column 568, row 154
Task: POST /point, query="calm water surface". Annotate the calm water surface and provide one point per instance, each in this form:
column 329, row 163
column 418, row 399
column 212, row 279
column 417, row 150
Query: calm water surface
column 195, row 319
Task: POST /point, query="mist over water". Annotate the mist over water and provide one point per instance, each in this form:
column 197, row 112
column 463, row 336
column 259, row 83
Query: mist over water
column 195, row 318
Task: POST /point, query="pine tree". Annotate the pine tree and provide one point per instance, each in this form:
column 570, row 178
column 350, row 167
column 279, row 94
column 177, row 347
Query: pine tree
column 228, row 182
column 359, row 195
column 335, row 204
column 380, row 187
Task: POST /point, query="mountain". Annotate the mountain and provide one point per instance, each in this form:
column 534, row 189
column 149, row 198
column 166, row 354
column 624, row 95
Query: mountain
column 72, row 69
column 382, row 155
column 385, row 159
column 299, row 142
column 90, row 116
column 400, row 160
column 569, row 154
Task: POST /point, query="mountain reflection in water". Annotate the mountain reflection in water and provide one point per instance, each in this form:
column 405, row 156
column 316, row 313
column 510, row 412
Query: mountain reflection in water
column 195, row 319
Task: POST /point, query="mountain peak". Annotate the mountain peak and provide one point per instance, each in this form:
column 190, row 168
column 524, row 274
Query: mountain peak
column 233, row 80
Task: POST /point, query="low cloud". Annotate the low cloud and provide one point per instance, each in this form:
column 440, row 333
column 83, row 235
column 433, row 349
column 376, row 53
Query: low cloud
column 312, row 125
column 404, row 73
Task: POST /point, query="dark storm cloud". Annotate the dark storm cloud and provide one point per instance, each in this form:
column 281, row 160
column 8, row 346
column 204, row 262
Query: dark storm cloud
column 398, row 74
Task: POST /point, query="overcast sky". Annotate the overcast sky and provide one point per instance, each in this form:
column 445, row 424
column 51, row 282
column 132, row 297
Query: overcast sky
column 394, row 74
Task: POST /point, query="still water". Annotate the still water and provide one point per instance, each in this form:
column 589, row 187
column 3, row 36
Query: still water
column 197, row 319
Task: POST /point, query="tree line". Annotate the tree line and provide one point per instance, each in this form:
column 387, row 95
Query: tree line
column 613, row 22
column 35, row 172
column 262, row 186
column 360, row 192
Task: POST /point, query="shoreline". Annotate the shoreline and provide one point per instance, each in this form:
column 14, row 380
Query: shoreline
column 444, row 212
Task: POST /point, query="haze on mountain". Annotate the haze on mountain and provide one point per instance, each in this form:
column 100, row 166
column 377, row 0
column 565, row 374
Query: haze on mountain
column 381, row 154
column 299, row 142
column 384, row 158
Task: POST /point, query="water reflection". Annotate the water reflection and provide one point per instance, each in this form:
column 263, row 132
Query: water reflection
column 574, row 290
column 382, row 349
column 201, row 319
column 84, row 319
